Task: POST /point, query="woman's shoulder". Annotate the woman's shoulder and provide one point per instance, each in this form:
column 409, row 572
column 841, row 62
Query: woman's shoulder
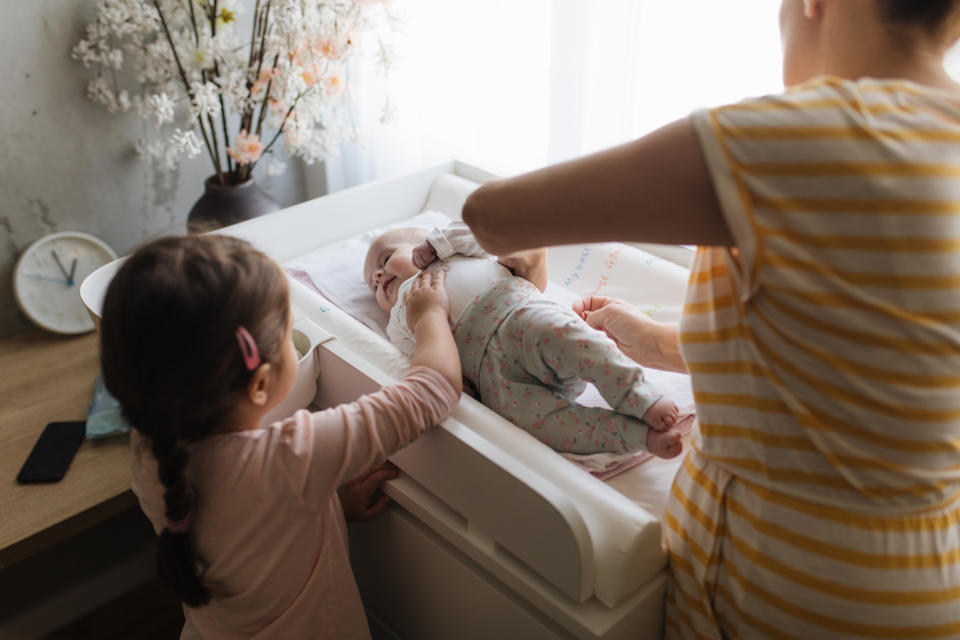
column 827, row 99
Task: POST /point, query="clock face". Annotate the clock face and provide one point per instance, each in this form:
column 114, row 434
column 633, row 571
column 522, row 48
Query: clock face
column 46, row 280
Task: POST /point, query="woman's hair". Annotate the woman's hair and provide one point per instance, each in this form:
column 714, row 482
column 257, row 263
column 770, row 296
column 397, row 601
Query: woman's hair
column 170, row 356
column 929, row 14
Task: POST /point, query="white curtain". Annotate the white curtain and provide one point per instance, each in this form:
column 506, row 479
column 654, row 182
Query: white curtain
column 512, row 85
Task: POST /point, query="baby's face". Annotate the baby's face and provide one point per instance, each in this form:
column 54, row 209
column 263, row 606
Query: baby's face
column 390, row 262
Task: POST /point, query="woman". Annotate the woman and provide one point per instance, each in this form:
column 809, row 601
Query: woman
column 821, row 329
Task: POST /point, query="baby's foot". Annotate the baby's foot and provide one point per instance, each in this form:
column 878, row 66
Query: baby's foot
column 665, row 444
column 530, row 265
column 662, row 414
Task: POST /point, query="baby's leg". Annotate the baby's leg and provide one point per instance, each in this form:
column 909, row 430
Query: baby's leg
column 570, row 349
column 517, row 392
column 662, row 414
column 567, row 426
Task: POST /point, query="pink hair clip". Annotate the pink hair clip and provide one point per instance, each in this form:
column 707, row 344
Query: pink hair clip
column 180, row 526
column 248, row 348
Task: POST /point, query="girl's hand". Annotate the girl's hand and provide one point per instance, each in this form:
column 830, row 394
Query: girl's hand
column 426, row 296
column 423, row 255
column 362, row 498
column 428, row 316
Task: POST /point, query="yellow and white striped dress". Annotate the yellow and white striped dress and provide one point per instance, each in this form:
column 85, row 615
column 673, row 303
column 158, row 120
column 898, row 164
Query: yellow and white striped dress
column 821, row 498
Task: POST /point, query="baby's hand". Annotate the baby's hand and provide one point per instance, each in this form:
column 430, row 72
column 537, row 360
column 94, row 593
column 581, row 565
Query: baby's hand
column 425, row 296
column 362, row 498
column 423, row 255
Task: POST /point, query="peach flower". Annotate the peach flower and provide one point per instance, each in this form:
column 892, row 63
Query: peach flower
column 246, row 148
column 310, row 73
column 334, row 81
column 266, row 75
column 330, row 46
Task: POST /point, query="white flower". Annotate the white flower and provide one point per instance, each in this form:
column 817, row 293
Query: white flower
column 201, row 58
column 99, row 90
column 114, row 59
column 206, row 99
column 148, row 149
column 185, row 142
column 161, row 107
column 84, row 54
column 301, row 58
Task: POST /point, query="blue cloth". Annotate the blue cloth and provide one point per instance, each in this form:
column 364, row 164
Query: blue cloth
column 103, row 416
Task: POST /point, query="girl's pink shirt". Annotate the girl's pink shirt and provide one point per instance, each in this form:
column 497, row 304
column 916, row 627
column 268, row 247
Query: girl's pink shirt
column 268, row 522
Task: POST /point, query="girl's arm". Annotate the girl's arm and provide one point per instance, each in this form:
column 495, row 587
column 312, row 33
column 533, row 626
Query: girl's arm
column 319, row 451
column 655, row 189
column 427, row 311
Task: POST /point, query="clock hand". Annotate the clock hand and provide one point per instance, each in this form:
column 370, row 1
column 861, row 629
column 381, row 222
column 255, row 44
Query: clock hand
column 48, row 279
column 62, row 270
column 73, row 270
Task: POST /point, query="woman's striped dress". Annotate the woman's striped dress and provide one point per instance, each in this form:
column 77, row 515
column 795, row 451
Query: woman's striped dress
column 822, row 497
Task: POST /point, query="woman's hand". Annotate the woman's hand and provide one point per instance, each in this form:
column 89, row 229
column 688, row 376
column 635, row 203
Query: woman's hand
column 648, row 342
column 362, row 497
column 423, row 255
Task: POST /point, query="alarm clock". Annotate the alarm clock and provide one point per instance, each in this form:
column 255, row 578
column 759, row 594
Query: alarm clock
column 47, row 277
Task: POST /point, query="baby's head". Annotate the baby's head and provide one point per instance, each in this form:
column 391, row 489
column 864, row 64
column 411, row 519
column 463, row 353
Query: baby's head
column 390, row 262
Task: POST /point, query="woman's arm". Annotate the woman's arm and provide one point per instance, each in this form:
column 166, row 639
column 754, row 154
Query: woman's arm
column 655, row 189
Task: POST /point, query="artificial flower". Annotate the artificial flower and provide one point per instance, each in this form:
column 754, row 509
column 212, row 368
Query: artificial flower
column 246, row 148
column 283, row 82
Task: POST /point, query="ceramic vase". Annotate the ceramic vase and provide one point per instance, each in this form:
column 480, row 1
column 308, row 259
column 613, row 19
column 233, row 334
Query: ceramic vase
column 223, row 205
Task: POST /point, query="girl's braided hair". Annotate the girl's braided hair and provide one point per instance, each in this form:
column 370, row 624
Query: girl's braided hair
column 170, row 356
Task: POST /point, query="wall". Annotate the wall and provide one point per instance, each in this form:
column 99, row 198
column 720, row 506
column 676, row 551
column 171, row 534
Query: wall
column 67, row 164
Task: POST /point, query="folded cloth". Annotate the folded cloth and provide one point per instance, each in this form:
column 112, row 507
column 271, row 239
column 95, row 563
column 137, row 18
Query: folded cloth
column 607, row 465
column 103, row 416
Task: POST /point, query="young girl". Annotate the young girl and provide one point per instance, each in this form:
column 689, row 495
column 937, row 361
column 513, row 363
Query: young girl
column 196, row 346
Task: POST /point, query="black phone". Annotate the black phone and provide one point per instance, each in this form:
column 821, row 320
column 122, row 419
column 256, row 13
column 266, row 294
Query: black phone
column 53, row 452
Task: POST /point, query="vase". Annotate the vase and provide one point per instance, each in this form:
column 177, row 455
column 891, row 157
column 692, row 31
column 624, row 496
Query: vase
column 223, row 205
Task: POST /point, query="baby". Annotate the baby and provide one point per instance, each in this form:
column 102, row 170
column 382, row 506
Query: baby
column 527, row 356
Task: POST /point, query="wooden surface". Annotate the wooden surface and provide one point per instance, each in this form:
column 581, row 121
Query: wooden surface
column 48, row 378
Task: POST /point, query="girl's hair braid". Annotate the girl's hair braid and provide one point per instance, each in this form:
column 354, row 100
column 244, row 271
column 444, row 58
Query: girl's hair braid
column 170, row 356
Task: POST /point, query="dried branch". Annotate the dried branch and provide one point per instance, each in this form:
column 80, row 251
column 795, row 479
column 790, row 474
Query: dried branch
column 186, row 84
column 193, row 21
